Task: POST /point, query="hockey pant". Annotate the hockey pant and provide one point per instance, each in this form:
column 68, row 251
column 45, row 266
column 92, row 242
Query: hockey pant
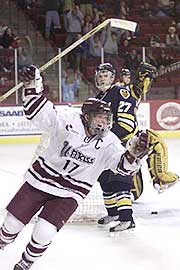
column 53, row 213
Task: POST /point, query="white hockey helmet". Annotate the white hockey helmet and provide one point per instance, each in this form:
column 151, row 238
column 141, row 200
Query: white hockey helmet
column 104, row 76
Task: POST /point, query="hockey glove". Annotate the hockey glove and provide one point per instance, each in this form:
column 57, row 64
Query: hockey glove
column 145, row 70
column 32, row 81
column 161, row 186
column 137, row 146
column 144, row 78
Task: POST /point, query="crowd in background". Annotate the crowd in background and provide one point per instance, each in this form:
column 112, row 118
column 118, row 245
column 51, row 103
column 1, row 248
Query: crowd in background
column 76, row 18
column 8, row 42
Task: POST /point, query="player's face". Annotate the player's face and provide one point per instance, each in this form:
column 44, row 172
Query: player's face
column 99, row 124
column 101, row 119
column 104, row 80
column 102, row 77
column 126, row 79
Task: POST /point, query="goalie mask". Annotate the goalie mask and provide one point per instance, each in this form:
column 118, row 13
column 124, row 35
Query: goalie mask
column 104, row 76
column 97, row 117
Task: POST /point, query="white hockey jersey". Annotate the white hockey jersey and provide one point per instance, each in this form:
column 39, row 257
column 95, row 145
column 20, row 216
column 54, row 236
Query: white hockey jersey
column 72, row 162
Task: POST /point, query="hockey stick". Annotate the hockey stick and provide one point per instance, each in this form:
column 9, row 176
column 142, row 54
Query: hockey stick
column 165, row 70
column 118, row 23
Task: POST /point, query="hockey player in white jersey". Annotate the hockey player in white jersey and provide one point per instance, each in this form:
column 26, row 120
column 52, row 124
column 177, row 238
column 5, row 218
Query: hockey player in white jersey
column 81, row 146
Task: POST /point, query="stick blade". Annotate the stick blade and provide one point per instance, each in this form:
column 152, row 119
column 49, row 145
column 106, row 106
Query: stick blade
column 123, row 24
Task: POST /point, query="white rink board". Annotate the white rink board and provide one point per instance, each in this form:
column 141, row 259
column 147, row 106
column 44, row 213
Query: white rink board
column 13, row 121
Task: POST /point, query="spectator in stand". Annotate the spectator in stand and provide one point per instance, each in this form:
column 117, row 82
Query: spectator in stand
column 110, row 44
column 124, row 47
column 163, row 3
column 85, row 6
column 74, row 22
column 164, row 59
column 124, row 10
column 102, row 4
column 68, row 5
column 150, row 59
column 95, row 16
column 121, row 9
column 8, row 39
column 70, row 84
column 96, row 42
column 2, row 67
column 25, row 4
column 172, row 38
column 139, row 57
column 125, row 35
column 1, row 29
column 147, row 10
column 78, row 54
column 166, row 8
column 88, row 25
column 171, row 12
column 132, row 61
column 9, row 63
column 52, row 15
column 177, row 9
column 25, row 52
column 155, row 41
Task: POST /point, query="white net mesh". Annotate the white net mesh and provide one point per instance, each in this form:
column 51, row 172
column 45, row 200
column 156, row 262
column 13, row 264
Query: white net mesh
column 91, row 208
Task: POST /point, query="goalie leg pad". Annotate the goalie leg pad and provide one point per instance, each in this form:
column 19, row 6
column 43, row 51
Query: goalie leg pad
column 138, row 187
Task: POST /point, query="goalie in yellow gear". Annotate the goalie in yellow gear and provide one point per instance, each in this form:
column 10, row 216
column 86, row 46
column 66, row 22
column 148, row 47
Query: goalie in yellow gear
column 158, row 162
column 157, row 158
column 158, row 154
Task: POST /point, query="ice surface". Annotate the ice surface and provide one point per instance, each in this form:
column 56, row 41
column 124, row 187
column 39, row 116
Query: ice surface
column 152, row 245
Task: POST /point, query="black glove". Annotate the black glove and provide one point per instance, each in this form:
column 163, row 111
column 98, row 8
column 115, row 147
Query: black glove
column 29, row 73
column 32, row 80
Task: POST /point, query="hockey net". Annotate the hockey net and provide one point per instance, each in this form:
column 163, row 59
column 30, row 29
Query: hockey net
column 91, row 208
column 89, row 211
